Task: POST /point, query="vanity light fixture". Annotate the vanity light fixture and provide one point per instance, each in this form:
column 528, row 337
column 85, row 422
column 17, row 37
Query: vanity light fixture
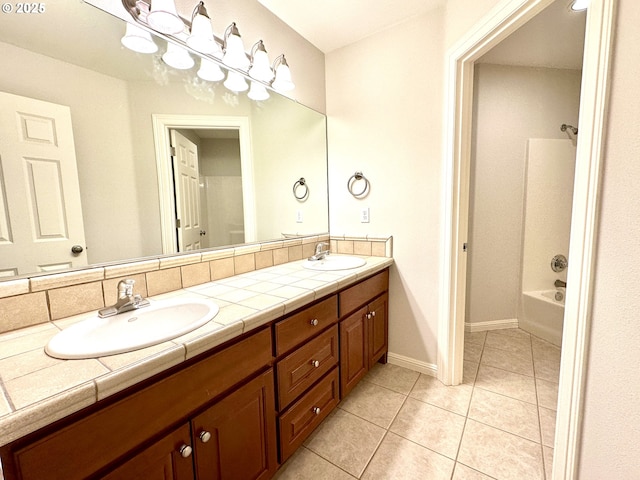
column 579, row 5
column 210, row 71
column 282, row 82
column 163, row 17
column 177, row 57
column 235, row 82
column 138, row 40
column 201, row 37
column 234, row 54
column 260, row 68
column 258, row 92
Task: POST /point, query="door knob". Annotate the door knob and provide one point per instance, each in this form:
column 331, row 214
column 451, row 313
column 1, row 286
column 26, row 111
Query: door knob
column 77, row 249
column 203, row 232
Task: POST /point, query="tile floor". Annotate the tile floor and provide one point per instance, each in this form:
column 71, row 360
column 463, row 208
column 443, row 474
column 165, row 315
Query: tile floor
column 399, row 424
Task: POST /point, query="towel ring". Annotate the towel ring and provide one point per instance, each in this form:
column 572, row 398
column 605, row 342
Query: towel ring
column 301, row 183
column 356, row 177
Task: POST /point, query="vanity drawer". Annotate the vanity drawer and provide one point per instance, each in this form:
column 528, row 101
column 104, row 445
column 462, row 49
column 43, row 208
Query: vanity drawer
column 301, row 326
column 364, row 292
column 306, row 414
column 300, row 369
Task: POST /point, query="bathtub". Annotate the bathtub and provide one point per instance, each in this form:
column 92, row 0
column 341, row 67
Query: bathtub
column 542, row 314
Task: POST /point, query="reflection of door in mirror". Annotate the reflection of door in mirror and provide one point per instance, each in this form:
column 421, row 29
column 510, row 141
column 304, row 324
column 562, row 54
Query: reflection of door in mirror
column 41, row 225
column 187, row 199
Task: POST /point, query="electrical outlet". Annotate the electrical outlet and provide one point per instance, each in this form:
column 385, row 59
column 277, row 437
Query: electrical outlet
column 299, row 216
column 364, row 215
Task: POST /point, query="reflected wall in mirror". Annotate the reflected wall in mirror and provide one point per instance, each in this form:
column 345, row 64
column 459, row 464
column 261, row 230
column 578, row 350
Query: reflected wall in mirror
column 72, row 57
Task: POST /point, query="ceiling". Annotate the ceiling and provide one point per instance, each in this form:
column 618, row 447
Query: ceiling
column 553, row 39
column 332, row 24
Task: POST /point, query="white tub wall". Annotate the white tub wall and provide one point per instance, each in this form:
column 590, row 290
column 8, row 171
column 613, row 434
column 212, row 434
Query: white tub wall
column 512, row 104
column 548, row 198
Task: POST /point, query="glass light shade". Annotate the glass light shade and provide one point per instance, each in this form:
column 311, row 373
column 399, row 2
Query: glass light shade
column 283, row 82
column 164, row 18
column 258, row 92
column 261, row 70
column 234, row 55
column 138, row 40
column 579, row 5
column 235, row 82
column 201, row 38
column 210, row 71
column 177, row 57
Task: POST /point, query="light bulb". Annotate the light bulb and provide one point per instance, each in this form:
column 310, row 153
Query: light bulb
column 258, row 92
column 138, row 40
column 235, row 82
column 210, row 71
column 177, row 57
column 164, row 18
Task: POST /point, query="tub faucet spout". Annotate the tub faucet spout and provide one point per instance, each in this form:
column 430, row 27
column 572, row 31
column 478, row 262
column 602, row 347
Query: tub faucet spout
column 560, row 284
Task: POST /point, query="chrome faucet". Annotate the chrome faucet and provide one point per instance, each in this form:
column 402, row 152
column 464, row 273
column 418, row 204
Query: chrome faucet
column 126, row 300
column 559, row 283
column 320, row 253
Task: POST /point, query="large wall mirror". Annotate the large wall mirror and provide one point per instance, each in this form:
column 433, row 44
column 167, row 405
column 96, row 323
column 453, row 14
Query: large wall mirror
column 70, row 93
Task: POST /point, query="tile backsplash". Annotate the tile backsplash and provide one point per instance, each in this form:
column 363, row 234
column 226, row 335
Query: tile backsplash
column 30, row 301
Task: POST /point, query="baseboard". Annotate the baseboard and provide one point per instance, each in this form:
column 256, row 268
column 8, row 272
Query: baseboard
column 491, row 325
column 412, row 364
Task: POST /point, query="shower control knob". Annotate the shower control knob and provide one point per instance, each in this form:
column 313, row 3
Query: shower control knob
column 559, row 263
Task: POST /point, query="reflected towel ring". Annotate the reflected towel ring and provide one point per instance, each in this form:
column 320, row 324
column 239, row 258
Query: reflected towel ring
column 301, row 183
column 356, row 177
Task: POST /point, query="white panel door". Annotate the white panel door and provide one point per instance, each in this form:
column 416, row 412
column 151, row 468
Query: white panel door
column 186, row 181
column 40, row 208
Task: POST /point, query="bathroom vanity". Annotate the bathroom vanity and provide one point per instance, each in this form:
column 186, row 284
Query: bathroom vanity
column 237, row 411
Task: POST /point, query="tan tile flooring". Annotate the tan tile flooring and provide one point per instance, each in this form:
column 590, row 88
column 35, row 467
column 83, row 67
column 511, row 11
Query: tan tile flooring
column 399, row 424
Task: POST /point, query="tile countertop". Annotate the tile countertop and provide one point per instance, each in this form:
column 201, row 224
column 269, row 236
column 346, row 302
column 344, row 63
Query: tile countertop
column 36, row 390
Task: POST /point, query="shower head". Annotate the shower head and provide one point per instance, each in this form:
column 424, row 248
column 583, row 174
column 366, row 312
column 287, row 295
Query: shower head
column 564, row 127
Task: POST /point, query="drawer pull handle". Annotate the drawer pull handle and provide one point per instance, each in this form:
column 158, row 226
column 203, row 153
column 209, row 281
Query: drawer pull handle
column 205, row 436
column 314, row 322
column 185, row 451
column 316, row 410
column 315, row 363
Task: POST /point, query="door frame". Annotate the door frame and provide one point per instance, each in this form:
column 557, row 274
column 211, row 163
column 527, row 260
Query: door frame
column 162, row 124
column 505, row 18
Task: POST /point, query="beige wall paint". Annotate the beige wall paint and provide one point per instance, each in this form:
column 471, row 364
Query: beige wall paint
column 384, row 105
column 609, row 446
column 512, row 104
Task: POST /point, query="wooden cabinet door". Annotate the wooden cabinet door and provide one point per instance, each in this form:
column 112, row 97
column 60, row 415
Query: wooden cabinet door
column 354, row 358
column 236, row 437
column 161, row 461
column 378, row 331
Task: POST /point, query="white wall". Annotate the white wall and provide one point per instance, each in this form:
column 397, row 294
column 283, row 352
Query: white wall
column 511, row 104
column 103, row 165
column 547, row 219
column 609, row 446
column 384, row 106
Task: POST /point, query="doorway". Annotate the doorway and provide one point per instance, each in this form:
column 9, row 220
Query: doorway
column 243, row 225
column 505, row 19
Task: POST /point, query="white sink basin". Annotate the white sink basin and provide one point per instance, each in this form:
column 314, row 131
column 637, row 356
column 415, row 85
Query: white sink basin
column 335, row 262
column 157, row 323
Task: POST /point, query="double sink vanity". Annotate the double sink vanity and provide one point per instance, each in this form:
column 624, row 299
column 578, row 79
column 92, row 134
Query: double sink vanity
column 242, row 398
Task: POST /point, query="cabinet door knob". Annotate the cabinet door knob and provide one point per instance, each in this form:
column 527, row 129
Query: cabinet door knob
column 373, row 314
column 185, row 451
column 315, row 363
column 316, row 410
column 314, row 322
column 205, row 436
column 368, row 316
